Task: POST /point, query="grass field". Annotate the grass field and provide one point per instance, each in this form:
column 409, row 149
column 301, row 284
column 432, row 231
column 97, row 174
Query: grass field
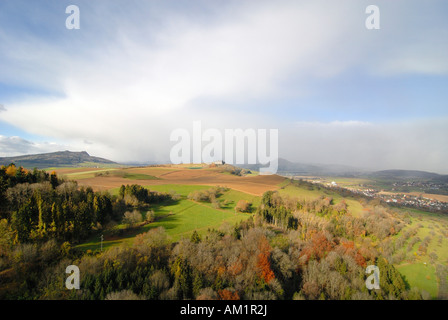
column 188, row 216
column 434, row 226
column 82, row 174
column 139, row 176
column 181, row 218
column 421, row 276
column 182, row 189
column 345, row 182
column 88, row 165
column 231, row 196
column 79, row 175
column 418, row 267
column 354, row 206
column 300, row 192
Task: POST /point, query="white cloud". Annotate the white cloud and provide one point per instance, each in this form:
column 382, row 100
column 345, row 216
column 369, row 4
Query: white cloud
column 332, row 124
column 14, row 146
column 417, row 145
column 121, row 97
column 123, row 92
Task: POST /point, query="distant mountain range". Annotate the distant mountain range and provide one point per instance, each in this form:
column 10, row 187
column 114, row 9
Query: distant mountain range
column 57, row 159
column 409, row 175
column 286, row 167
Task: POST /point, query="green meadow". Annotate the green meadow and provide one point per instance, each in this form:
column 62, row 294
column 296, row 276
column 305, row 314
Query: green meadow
column 422, row 276
column 181, row 218
column 306, row 193
column 87, row 174
column 110, row 172
column 228, row 199
column 418, row 266
column 182, row 189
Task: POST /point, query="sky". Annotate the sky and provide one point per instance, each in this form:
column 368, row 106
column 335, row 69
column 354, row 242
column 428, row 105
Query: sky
column 134, row 71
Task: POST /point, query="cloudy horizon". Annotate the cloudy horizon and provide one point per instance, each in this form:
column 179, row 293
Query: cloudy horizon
column 136, row 70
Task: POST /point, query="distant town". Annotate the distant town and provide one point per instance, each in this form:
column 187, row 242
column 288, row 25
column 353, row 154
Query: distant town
column 419, row 201
column 423, row 185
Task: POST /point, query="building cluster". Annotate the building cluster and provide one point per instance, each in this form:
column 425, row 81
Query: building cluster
column 423, row 185
column 415, row 201
column 407, row 200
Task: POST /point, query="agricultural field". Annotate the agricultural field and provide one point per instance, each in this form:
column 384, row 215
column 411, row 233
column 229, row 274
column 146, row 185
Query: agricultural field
column 439, row 197
column 185, row 216
column 180, row 219
column 228, row 200
column 106, row 179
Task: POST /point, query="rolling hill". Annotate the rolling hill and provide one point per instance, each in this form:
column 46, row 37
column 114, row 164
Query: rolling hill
column 409, row 175
column 286, row 167
column 57, row 159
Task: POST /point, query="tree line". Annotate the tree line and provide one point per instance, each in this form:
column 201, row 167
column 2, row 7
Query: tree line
column 38, row 209
column 245, row 261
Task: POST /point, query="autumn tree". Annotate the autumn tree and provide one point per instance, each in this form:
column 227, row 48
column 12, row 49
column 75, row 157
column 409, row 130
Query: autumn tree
column 11, row 170
column 227, row 294
column 132, row 218
column 263, row 264
column 318, row 247
column 243, row 206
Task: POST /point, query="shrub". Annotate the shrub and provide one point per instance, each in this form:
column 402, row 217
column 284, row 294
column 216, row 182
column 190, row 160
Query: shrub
column 150, row 216
column 123, row 295
column 132, row 218
column 243, row 206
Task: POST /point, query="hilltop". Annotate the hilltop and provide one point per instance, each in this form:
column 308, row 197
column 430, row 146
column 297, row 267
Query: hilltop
column 57, row 159
column 286, row 167
column 409, row 174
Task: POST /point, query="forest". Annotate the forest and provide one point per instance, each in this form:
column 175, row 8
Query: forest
column 288, row 248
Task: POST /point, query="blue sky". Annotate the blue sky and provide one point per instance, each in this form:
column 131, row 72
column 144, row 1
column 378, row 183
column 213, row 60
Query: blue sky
column 136, row 70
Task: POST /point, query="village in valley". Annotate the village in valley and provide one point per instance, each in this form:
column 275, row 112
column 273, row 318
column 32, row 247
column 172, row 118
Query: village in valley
column 424, row 201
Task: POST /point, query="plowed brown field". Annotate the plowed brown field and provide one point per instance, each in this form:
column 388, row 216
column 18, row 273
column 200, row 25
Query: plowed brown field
column 255, row 185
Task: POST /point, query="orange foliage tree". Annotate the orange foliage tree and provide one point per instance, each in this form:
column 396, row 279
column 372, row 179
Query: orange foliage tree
column 318, row 247
column 348, row 247
column 263, row 264
column 228, row 295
